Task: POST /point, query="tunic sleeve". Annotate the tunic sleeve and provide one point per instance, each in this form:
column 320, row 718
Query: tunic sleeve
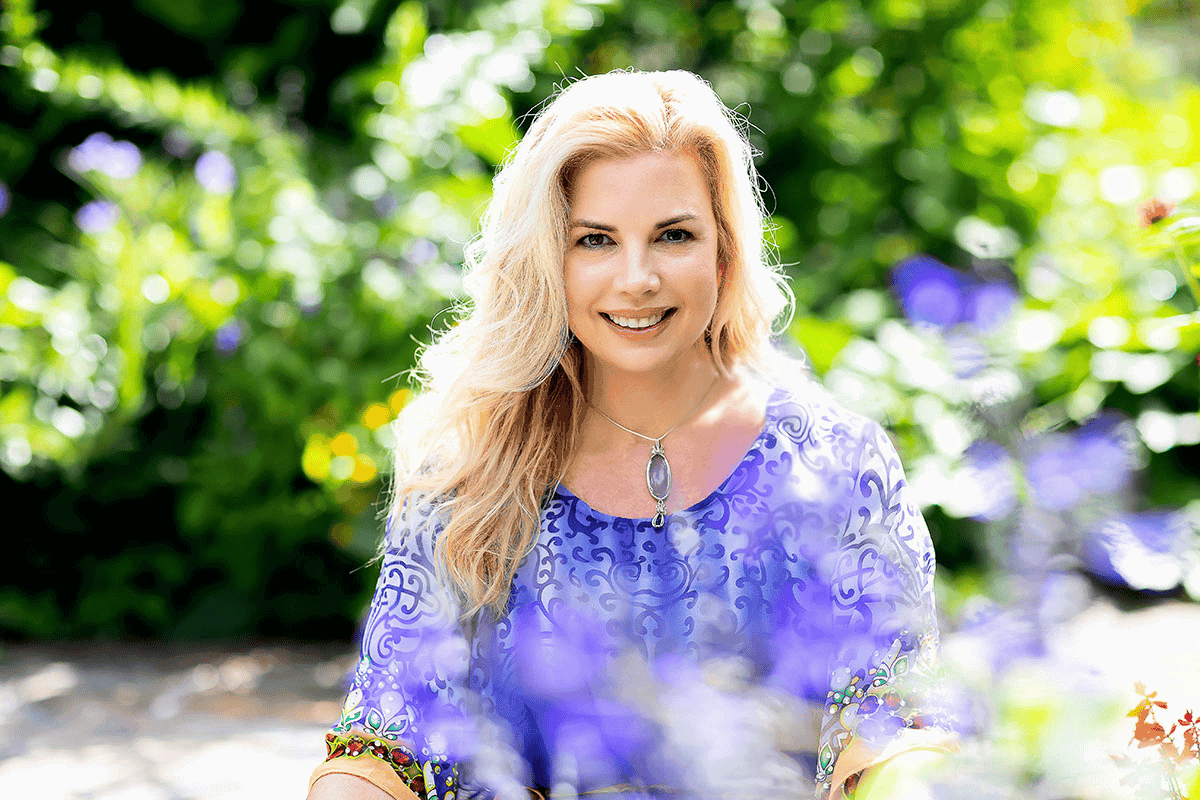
column 883, row 610
column 404, row 717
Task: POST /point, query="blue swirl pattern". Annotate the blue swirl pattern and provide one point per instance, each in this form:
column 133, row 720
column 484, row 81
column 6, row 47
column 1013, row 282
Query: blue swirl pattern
column 808, row 574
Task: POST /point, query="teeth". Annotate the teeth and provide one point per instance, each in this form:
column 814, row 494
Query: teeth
column 640, row 322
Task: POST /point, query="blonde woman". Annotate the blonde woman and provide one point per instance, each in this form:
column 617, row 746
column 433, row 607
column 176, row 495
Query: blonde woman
column 633, row 551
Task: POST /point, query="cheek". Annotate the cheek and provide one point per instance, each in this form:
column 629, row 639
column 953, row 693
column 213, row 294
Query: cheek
column 577, row 293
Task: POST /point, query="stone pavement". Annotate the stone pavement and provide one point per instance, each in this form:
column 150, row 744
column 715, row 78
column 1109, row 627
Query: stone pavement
column 168, row 722
column 146, row 722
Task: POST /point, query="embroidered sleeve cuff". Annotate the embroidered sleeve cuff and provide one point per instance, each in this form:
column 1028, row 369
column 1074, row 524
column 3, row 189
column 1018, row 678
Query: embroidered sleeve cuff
column 389, row 765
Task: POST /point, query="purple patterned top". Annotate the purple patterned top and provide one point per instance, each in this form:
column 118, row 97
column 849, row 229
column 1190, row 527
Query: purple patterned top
column 737, row 649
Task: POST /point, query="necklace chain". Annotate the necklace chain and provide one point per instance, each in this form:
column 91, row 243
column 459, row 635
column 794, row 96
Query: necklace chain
column 658, row 469
column 658, row 440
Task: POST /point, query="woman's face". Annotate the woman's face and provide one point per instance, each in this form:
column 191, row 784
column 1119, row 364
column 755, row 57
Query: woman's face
column 641, row 262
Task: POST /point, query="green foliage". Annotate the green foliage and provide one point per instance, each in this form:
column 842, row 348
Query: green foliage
column 206, row 316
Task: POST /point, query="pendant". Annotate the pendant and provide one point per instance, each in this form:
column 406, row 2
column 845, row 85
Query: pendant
column 658, row 481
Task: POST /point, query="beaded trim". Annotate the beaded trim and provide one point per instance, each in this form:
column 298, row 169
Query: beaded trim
column 865, row 691
column 421, row 779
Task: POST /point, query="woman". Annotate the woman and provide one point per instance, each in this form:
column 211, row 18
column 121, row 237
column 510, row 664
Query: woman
column 634, row 551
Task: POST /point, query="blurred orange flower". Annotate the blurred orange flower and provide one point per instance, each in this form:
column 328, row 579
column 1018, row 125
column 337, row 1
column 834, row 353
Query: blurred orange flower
column 1154, row 210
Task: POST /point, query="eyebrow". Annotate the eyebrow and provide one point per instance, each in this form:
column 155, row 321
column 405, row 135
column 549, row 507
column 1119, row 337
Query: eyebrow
column 666, row 223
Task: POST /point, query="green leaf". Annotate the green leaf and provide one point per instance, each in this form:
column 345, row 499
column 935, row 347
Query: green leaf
column 822, row 339
column 490, row 139
column 406, row 32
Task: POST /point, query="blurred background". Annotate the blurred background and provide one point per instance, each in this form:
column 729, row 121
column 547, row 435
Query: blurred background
column 225, row 228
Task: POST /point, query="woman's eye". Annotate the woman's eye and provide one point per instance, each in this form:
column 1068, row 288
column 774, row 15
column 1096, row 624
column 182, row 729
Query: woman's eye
column 676, row 235
column 594, row 240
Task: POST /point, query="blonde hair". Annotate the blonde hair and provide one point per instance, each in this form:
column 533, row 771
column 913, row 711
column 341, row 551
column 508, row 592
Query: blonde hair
column 497, row 425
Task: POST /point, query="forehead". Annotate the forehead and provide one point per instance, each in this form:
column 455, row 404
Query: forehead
column 655, row 183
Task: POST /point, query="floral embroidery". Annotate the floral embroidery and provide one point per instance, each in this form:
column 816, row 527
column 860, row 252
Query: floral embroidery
column 874, row 703
column 416, row 776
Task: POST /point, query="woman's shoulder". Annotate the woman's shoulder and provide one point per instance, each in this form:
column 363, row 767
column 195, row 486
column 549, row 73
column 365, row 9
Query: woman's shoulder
column 800, row 404
column 413, row 524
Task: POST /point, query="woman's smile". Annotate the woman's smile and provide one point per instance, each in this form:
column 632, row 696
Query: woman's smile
column 638, row 322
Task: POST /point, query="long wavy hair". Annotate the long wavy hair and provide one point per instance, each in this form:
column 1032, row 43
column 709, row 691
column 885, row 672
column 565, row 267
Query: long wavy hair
column 497, row 423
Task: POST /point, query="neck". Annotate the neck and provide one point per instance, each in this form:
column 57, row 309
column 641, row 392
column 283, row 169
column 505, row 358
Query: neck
column 650, row 403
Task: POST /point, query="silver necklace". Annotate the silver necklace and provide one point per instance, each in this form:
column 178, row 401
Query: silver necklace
column 658, row 469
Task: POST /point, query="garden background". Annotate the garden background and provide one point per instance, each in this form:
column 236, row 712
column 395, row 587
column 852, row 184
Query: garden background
column 226, row 227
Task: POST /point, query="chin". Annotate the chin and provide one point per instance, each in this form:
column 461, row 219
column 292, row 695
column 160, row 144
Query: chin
column 646, row 364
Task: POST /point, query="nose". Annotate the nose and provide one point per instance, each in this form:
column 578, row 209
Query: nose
column 637, row 274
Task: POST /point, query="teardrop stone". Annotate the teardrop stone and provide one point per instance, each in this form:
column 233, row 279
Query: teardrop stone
column 658, row 476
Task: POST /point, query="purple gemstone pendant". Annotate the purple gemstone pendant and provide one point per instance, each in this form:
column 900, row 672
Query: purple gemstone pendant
column 658, row 481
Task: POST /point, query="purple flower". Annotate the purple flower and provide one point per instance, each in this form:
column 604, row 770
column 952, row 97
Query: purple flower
column 123, row 160
column 1064, row 469
column 931, row 293
column 90, row 153
column 991, row 472
column 1062, row 596
column 422, row 252
column 216, row 173
column 5, row 198
column 1053, row 469
column 386, row 204
column 1001, row 636
column 96, row 216
column 99, row 152
column 1106, row 453
column 990, row 304
column 1142, row 550
column 229, row 336
column 967, row 355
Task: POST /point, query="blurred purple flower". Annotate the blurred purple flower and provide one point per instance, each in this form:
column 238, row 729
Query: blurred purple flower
column 967, row 355
column 99, row 152
column 422, row 251
column 1106, row 453
column 215, row 172
column 5, row 198
column 1064, row 469
column 229, row 336
column 991, row 471
column 90, row 153
column 560, row 664
column 123, row 161
column 96, row 216
column 1000, row 636
column 931, row 293
column 1054, row 472
column 990, row 304
column 386, row 204
column 1062, row 595
column 1142, row 550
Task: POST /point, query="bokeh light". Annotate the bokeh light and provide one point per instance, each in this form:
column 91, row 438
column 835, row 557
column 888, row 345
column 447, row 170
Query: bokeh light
column 97, row 216
column 215, row 172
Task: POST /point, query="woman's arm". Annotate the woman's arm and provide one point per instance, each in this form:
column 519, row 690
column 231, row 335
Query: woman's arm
column 404, row 717
column 340, row 786
column 879, row 707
